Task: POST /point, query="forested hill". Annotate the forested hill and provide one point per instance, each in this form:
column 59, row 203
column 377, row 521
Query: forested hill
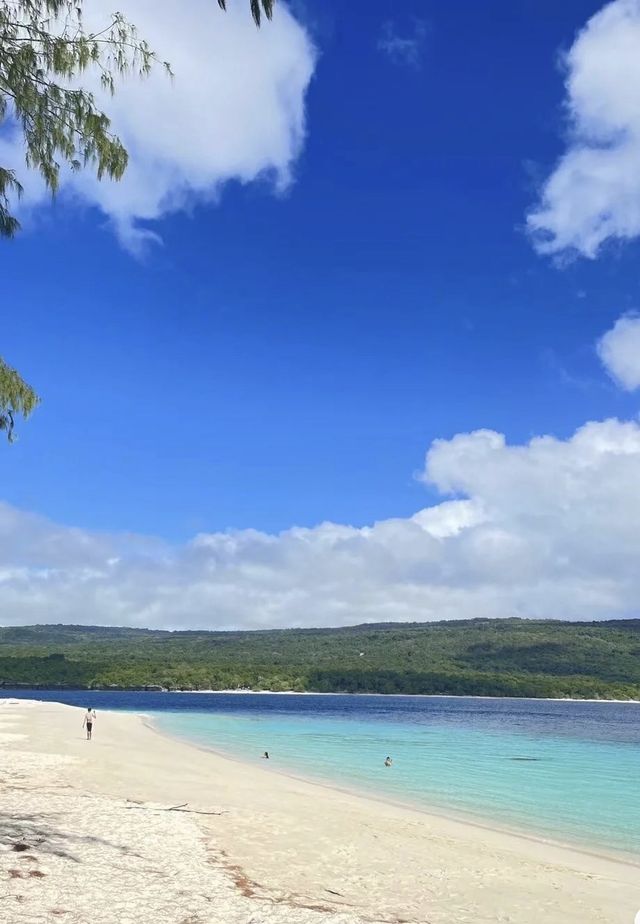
column 494, row 657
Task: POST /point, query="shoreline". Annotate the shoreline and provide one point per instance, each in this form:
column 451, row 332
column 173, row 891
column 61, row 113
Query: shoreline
column 431, row 812
column 529, row 699
column 544, row 699
column 198, row 828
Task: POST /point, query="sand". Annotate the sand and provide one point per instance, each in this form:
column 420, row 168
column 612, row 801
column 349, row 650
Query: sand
column 88, row 835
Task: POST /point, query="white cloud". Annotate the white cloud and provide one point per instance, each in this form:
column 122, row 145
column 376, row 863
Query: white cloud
column 619, row 351
column 593, row 195
column 550, row 528
column 233, row 111
column 406, row 49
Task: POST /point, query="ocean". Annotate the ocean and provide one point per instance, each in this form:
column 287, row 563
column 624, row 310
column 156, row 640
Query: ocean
column 568, row 771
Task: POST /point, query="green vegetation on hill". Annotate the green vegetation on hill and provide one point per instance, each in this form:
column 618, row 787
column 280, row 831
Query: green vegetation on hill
column 491, row 657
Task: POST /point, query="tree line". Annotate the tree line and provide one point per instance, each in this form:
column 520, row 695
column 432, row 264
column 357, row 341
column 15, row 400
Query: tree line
column 510, row 657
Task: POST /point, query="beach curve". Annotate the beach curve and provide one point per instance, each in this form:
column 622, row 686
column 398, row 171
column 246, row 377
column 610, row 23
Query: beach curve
column 196, row 837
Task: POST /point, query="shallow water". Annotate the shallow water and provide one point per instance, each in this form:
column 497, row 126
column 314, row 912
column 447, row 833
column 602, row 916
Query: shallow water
column 566, row 770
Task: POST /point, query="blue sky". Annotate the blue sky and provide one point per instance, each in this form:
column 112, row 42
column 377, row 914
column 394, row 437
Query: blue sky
column 286, row 358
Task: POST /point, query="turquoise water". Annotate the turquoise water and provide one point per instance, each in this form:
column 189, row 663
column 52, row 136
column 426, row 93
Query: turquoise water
column 563, row 770
column 559, row 786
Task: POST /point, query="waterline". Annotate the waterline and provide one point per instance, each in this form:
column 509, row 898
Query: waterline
column 565, row 788
column 558, row 770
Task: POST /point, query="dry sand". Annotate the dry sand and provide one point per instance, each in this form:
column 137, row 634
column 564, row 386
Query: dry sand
column 86, row 838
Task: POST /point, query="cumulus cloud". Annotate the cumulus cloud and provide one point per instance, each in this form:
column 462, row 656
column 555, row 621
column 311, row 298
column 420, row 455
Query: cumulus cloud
column 406, row 49
column 593, row 195
column 233, row 111
column 550, row 528
column 619, row 351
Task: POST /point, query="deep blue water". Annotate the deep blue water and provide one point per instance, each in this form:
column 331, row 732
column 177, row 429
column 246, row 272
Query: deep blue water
column 567, row 770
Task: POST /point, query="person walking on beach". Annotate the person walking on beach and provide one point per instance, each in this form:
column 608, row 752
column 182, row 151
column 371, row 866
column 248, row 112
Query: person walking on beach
column 89, row 719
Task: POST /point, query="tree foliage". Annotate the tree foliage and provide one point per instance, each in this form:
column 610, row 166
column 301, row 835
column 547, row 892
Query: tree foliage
column 44, row 51
column 494, row 657
column 258, row 7
column 16, row 397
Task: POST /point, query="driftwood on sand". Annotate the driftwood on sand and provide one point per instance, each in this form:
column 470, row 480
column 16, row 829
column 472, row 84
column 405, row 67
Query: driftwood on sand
column 134, row 804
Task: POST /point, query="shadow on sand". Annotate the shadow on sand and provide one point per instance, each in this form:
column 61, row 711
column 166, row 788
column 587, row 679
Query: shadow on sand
column 39, row 834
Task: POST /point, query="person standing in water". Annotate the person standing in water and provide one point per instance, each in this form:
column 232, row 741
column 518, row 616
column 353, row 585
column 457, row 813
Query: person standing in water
column 89, row 719
column 388, row 762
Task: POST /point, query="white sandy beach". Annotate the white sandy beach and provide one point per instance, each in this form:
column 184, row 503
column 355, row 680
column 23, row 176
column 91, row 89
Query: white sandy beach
column 86, row 838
